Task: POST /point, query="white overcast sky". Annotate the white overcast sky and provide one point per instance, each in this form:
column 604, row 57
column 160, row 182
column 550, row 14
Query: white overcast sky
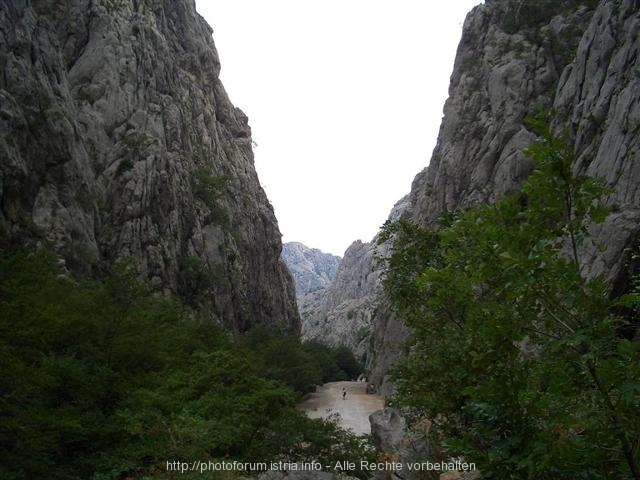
column 344, row 99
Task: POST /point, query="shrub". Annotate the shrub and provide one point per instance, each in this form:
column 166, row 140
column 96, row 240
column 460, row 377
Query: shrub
column 208, row 187
column 124, row 166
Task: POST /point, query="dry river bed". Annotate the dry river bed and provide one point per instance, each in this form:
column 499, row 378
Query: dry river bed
column 354, row 409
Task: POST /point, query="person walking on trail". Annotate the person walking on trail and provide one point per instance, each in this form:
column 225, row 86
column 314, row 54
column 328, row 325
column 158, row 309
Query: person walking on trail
column 344, row 393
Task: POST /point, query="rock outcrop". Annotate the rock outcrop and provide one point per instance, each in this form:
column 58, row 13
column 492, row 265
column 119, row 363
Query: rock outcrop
column 509, row 61
column 118, row 143
column 408, row 442
column 598, row 101
column 395, row 441
column 579, row 58
column 342, row 312
column 311, row 268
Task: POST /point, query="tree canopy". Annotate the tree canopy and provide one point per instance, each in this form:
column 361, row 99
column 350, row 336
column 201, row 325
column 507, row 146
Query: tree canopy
column 103, row 379
column 516, row 355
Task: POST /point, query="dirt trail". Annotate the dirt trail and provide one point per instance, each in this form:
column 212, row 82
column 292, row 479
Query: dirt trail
column 354, row 410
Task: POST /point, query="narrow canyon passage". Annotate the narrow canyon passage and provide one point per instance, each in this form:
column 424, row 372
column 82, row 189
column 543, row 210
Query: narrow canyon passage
column 354, row 409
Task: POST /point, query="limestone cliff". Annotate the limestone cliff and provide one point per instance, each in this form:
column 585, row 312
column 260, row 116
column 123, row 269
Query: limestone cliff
column 342, row 312
column 311, row 268
column 577, row 57
column 119, row 143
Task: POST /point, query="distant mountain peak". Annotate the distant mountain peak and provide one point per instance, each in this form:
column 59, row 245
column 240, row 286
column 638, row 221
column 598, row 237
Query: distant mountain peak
column 312, row 269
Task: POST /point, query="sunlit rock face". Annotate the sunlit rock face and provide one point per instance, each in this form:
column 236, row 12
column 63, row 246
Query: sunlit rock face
column 119, row 144
column 579, row 58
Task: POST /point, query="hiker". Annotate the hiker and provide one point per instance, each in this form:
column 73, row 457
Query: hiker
column 344, row 392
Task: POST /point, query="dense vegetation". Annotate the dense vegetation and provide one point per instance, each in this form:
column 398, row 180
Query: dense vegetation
column 304, row 365
column 520, row 359
column 104, row 380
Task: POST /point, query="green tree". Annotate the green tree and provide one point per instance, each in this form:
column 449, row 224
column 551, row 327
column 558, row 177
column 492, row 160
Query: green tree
column 104, row 380
column 515, row 353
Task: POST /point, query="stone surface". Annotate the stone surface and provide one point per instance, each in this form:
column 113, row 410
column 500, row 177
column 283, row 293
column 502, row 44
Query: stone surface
column 311, row 268
column 342, row 312
column 119, row 143
column 386, row 347
column 504, row 68
column 598, row 101
column 456, row 475
column 579, row 58
column 397, row 441
column 581, row 61
column 406, row 441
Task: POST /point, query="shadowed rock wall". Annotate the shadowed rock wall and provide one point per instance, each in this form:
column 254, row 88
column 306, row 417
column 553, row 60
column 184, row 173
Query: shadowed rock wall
column 119, row 143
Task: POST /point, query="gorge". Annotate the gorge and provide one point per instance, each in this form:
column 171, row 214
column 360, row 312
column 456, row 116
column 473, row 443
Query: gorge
column 147, row 312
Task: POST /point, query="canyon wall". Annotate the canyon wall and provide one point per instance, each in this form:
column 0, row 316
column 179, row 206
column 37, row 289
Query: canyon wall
column 118, row 144
column 578, row 59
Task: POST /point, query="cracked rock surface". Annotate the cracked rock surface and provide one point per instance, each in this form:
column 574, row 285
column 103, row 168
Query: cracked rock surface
column 579, row 59
column 342, row 312
column 118, row 143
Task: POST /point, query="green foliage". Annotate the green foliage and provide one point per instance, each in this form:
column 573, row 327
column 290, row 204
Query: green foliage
column 282, row 358
column 515, row 355
column 202, row 151
column 209, row 188
column 219, row 216
column 37, row 113
column 124, row 166
column 301, row 439
column 300, row 366
column 196, row 279
column 348, row 367
column 363, row 332
column 114, row 6
column 86, row 200
column 104, row 380
column 230, row 148
column 136, row 142
column 471, row 64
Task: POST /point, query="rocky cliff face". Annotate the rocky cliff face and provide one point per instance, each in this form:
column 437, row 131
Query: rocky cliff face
column 340, row 314
column 343, row 311
column 598, row 100
column 119, row 143
column 509, row 61
column 579, row 58
column 311, row 268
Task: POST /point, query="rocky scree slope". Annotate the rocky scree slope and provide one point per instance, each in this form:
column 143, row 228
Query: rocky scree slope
column 119, row 143
column 578, row 58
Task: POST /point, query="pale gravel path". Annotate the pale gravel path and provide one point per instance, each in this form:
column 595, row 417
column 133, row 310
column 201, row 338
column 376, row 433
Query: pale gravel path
column 354, row 411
